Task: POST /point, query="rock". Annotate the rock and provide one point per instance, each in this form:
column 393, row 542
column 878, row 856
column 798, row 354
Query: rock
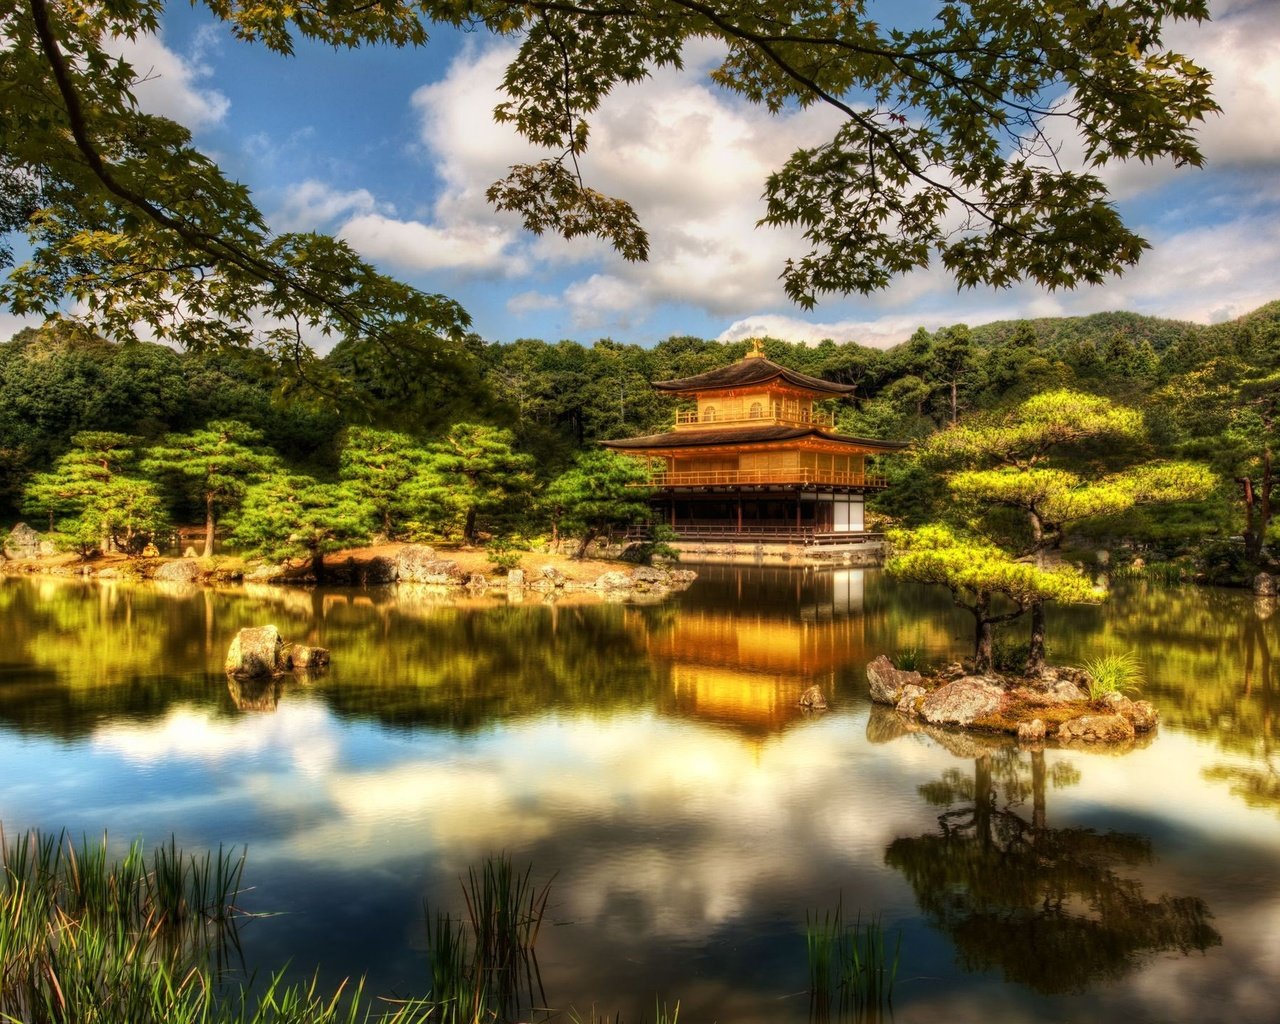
column 411, row 562
column 1144, row 716
column 648, row 574
column 308, row 658
column 256, row 651
column 183, row 570
column 476, row 581
column 264, row 572
column 48, row 549
column 110, row 573
column 190, row 552
column 1064, row 692
column 1031, row 732
column 515, row 577
column 680, row 577
column 910, row 694
column 1264, row 585
column 614, row 581
column 886, row 682
column 962, row 702
column 552, row 575
column 1097, row 729
column 22, row 542
column 378, row 571
column 813, row 698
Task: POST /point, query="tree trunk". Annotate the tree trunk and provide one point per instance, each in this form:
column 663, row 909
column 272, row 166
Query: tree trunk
column 983, row 637
column 1252, row 538
column 587, row 537
column 1035, row 652
column 208, row 526
column 1264, row 504
column 955, row 404
column 317, row 565
column 469, row 527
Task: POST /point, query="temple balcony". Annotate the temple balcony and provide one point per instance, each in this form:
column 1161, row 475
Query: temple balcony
column 794, row 476
column 689, row 419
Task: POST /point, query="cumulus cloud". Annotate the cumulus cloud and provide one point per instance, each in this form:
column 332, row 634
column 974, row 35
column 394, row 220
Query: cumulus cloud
column 312, row 204
column 170, row 85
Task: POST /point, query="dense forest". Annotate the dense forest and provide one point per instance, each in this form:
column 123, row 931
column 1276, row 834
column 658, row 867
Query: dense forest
column 490, row 445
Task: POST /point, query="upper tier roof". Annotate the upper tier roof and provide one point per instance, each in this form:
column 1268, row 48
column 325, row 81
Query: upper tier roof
column 748, row 371
column 763, row 434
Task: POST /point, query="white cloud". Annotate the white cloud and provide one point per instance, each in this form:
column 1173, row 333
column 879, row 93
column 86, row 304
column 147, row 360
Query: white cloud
column 312, row 204
column 417, row 246
column 168, row 84
column 531, row 302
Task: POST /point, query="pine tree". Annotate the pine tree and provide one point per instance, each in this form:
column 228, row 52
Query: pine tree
column 601, row 491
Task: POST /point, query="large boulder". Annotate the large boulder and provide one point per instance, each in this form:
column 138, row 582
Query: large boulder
column 887, row 683
column 417, row 563
column 515, row 578
column 614, row 581
column 22, row 542
column 378, row 570
column 962, row 702
column 256, row 652
column 181, row 570
column 1096, row 729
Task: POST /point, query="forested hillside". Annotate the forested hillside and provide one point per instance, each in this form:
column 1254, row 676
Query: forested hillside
column 502, row 422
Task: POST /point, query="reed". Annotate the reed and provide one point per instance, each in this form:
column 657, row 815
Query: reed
column 1113, row 673
column 851, row 971
column 88, row 940
column 484, row 967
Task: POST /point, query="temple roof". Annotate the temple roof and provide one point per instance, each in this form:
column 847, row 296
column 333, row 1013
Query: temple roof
column 748, row 371
column 743, row 435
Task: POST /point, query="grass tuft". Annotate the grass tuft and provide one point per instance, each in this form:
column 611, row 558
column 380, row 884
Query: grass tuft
column 1113, row 673
column 850, row 968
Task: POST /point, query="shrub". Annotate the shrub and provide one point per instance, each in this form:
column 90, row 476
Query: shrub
column 1113, row 673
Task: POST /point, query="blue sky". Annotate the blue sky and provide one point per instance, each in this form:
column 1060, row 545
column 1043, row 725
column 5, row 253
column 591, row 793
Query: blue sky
column 393, row 150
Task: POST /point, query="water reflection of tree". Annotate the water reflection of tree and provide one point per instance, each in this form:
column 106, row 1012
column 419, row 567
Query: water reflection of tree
column 1048, row 907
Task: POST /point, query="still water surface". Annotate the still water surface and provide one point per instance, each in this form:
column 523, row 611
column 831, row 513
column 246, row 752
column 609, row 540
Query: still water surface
column 653, row 760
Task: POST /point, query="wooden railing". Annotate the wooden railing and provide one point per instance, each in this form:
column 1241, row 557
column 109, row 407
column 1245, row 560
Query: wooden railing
column 779, row 534
column 728, row 477
column 774, row 415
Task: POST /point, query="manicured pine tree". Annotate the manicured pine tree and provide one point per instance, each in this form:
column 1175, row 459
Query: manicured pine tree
column 601, row 491
column 1009, row 459
column 977, row 573
column 298, row 517
column 100, row 504
column 393, row 474
column 481, row 472
column 214, row 465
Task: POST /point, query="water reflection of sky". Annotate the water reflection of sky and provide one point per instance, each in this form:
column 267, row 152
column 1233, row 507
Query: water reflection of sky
column 686, row 844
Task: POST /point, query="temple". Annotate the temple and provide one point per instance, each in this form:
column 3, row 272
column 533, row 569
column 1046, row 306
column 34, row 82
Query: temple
column 753, row 460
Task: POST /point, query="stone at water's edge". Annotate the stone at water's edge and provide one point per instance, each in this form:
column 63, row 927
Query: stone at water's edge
column 910, row 694
column 1031, row 732
column 256, row 651
column 1097, row 729
column 22, row 542
column 515, row 577
column 183, row 570
column 962, row 702
column 304, row 657
column 813, row 698
column 887, row 682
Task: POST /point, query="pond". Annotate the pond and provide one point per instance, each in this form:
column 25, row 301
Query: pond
column 653, row 765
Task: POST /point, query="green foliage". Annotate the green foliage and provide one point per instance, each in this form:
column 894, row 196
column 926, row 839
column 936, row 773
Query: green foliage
column 390, row 472
column 977, row 572
column 213, row 466
column 948, row 117
column 1113, row 673
column 481, row 476
column 93, row 502
column 299, row 517
column 504, row 554
column 603, row 490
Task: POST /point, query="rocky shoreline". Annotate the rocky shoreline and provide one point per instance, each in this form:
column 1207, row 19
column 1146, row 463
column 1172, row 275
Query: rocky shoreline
column 409, row 564
column 1055, row 706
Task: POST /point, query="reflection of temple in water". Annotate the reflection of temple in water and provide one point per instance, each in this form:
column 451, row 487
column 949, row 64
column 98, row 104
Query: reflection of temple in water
column 744, row 647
